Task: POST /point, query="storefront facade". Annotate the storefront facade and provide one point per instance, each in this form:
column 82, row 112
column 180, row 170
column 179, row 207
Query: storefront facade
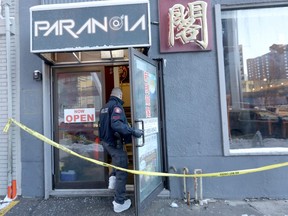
column 202, row 81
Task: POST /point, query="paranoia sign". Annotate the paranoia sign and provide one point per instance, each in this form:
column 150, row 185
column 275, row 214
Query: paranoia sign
column 89, row 26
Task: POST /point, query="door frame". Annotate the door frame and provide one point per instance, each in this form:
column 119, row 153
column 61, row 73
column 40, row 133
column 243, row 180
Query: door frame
column 58, row 185
column 48, row 125
column 141, row 206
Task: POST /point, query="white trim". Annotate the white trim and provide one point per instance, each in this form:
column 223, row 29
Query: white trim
column 222, row 87
column 86, row 4
column 259, row 151
column 149, row 24
column 89, row 48
column 30, row 30
column 17, row 105
column 47, row 129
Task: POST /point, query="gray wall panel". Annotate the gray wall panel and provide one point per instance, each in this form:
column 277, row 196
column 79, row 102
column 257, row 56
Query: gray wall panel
column 32, row 175
column 31, row 109
column 261, row 184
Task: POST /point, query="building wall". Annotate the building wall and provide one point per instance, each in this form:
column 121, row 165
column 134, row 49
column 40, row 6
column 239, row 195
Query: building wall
column 193, row 121
column 4, row 98
column 32, row 156
column 193, row 125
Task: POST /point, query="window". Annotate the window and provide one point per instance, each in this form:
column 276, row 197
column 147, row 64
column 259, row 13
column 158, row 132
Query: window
column 253, row 43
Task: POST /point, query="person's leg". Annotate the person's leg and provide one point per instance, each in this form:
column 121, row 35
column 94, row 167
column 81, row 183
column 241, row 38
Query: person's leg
column 119, row 159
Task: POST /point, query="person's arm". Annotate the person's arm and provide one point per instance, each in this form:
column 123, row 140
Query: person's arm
column 118, row 123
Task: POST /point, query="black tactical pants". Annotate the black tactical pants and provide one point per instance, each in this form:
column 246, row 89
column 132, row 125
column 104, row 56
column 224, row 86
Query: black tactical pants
column 119, row 159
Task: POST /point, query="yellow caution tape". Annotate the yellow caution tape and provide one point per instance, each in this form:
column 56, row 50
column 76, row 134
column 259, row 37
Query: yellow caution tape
column 138, row 172
column 8, row 208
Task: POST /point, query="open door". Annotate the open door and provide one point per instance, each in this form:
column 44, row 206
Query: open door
column 145, row 106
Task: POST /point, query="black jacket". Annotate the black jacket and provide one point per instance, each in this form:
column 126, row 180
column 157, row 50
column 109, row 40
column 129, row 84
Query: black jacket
column 113, row 119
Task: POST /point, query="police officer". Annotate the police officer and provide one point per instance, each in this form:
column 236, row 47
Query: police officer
column 114, row 131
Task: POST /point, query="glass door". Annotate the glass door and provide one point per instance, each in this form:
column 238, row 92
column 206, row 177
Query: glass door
column 146, row 116
column 77, row 101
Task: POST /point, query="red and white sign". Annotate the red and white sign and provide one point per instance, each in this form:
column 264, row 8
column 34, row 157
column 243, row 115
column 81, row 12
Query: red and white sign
column 79, row 115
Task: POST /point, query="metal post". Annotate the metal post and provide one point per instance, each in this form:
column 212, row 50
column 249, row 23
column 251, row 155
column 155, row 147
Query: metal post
column 198, row 194
column 185, row 171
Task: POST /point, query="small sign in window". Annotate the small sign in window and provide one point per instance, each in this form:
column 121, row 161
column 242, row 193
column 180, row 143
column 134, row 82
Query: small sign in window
column 81, row 115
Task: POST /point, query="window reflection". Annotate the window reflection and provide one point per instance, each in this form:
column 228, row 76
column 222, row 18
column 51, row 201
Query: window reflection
column 79, row 100
column 256, row 74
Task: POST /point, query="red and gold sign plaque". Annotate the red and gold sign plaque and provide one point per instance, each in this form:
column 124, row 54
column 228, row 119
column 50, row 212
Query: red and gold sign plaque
column 185, row 25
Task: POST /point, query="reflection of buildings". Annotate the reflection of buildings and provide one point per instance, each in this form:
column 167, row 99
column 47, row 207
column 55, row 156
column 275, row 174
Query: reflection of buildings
column 268, row 77
column 270, row 69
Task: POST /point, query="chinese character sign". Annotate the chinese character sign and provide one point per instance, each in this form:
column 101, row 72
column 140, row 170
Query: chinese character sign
column 185, row 25
column 189, row 23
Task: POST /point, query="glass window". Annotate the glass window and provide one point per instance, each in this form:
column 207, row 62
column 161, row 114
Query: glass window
column 78, row 100
column 255, row 47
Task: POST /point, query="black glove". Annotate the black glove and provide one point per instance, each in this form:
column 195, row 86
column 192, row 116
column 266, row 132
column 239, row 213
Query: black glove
column 137, row 133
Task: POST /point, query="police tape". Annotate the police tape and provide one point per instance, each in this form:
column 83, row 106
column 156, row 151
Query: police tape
column 140, row 172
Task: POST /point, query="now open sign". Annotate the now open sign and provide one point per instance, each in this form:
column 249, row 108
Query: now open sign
column 79, row 115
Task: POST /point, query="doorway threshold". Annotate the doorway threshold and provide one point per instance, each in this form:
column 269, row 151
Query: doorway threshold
column 81, row 192
column 89, row 192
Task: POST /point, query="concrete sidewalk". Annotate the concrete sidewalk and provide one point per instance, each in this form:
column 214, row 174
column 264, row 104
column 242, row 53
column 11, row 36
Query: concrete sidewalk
column 161, row 206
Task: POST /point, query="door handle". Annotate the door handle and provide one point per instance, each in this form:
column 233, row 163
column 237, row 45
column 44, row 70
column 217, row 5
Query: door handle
column 143, row 137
